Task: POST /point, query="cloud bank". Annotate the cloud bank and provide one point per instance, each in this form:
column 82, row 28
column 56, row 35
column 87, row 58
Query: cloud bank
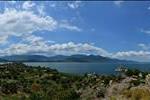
column 24, row 23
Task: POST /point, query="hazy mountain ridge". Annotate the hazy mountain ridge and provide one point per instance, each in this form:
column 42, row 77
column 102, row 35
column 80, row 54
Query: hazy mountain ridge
column 62, row 58
column 3, row 60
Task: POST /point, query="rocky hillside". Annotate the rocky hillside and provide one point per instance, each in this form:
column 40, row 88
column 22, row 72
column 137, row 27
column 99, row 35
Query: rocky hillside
column 21, row 82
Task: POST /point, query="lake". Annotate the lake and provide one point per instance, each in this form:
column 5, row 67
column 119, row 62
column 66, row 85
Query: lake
column 81, row 68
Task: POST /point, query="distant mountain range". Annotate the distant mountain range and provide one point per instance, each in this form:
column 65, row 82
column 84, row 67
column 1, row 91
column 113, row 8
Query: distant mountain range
column 3, row 60
column 62, row 58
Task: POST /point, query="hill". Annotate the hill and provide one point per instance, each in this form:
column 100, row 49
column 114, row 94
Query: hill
column 62, row 58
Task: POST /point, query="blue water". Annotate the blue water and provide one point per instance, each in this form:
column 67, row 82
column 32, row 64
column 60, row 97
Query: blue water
column 81, row 68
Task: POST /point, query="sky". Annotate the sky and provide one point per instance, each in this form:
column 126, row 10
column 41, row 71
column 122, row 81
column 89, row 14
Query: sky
column 115, row 29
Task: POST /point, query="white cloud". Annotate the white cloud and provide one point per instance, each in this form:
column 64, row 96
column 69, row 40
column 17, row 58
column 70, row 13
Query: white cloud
column 13, row 22
column 118, row 3
column 11, row 2
column 74, row 5
column 52, row 4
column 144, row 46
column 32, row 39
column 37, row 44
column 145, row 31
column 17, row 23
column 16, row 49
column 66, row 25
column 28, row 5
column 41, row 9
column 133, row 55
column 3, row 39
column 77, row 48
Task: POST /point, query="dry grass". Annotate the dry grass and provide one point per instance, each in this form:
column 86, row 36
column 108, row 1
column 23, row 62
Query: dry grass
column 137, row 94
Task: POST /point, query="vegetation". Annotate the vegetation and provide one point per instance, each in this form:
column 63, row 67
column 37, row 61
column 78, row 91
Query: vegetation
column 21, row 82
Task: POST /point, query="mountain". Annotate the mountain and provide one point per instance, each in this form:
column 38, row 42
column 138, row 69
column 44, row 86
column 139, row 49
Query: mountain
column 26, row 58
column 3, row 60
column 95, row 58
column 85, row 58
column 62, row 58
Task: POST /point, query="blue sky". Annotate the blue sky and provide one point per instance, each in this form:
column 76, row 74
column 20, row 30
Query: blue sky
column 116, row 29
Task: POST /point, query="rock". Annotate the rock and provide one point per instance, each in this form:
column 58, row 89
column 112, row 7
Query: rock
column 147, row 79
